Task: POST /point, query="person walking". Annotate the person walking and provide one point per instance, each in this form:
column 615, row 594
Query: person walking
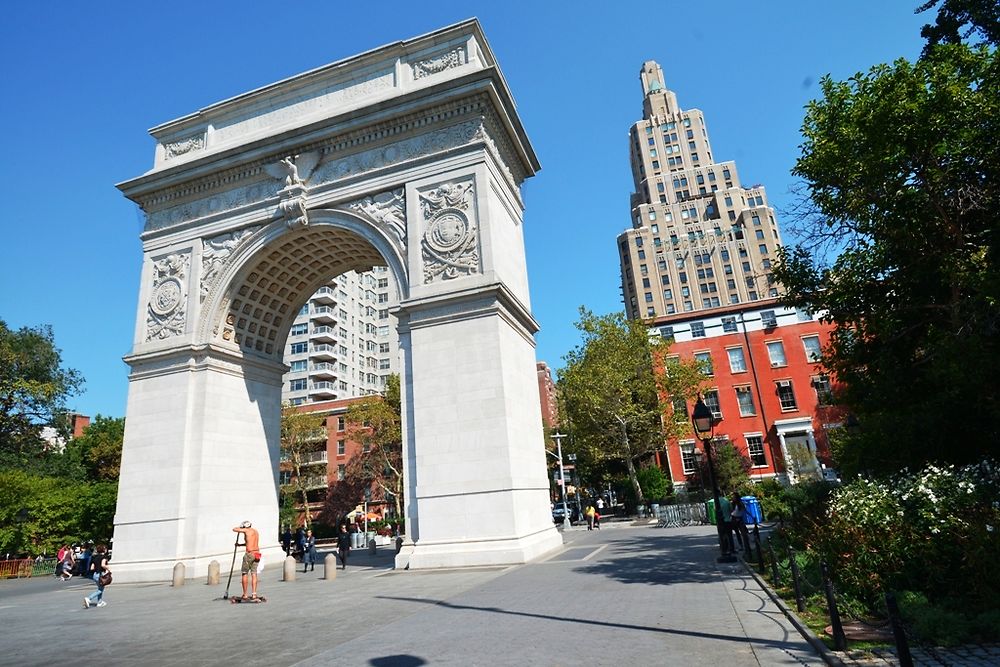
column 300, row 542
column 66, row 562
column 286, row 540
column 309, row 554
column 739, row 524
column 590, row 512
column 98, row 566
column 343, row 546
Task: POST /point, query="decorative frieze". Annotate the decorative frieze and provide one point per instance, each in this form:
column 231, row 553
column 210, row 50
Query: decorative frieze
column 183, row 146
column 450, row 243
column 215, row 253
column 167, row 309
column 386, row 210
column 439, row 62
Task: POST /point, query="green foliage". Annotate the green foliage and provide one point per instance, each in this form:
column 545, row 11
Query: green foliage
column 33, row 389
column 39, row 514
column 376, row 422
column 773, row 500
column 654, row 483
column 611, row 391
column 960, row 19
column 99, row 448
column 933, row 532
column 901, row 169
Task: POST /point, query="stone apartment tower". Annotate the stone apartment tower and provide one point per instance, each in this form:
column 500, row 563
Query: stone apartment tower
column 699, row 240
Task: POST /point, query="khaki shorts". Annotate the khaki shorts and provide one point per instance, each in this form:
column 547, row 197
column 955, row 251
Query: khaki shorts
column 251, row 562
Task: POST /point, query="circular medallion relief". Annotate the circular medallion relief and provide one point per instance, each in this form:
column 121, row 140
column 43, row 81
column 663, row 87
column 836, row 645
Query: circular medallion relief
column 448, row 230
column 166, row 297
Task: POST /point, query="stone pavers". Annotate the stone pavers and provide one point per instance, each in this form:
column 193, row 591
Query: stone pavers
column 963, row 656
column 633, row 595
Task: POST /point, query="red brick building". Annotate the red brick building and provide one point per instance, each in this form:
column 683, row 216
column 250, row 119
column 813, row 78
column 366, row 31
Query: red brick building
column 770, row 397
column 547, row 395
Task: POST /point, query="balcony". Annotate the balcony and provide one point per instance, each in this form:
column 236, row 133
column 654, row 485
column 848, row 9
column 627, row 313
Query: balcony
column 323, row 369
column 324, row 333
column 325, row 295
column 323, row 314
column 312, row 458
column 323, row 351
column 323, row 390
column 315, row 482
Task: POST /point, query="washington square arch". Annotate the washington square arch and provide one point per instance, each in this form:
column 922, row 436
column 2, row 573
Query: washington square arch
column 409, row 156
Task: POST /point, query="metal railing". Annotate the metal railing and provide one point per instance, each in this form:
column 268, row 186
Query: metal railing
column 681, row 515
column 27, row 567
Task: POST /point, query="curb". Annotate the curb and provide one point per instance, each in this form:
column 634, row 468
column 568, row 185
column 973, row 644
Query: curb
column 828, row 656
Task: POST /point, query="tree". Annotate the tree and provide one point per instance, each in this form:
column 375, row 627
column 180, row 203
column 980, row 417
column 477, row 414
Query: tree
column 901, row 169
column 99, row 448
column 376, row 423
column 33, row 389
column 300, row 433
column 617, row 388
column 958, row 20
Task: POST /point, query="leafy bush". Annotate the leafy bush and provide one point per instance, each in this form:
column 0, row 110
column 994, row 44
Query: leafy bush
column 653, row 482
column 932, row 532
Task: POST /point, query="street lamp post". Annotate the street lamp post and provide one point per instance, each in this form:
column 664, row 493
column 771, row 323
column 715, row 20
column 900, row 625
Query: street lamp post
column 704, row 425
column 562, row 477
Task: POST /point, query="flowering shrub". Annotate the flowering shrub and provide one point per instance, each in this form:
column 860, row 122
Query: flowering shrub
column 934, row 531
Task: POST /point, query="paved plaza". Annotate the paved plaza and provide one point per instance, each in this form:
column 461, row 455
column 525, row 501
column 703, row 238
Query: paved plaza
column 624, row 595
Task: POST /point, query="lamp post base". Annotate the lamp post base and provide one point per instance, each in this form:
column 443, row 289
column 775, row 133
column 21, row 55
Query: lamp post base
column 727, row 558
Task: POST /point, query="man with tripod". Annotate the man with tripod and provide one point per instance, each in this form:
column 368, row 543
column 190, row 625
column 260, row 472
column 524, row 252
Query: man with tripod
column 252, row 557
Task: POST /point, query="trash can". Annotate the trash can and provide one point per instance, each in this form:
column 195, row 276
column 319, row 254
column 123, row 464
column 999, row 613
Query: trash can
column 356, row 540
column 754, row 512
column 710, row 510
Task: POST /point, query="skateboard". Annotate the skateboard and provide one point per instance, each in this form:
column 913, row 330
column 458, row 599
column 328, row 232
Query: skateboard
column 238, row 600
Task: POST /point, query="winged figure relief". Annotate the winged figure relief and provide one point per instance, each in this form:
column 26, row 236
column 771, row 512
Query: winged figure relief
column 294, row 169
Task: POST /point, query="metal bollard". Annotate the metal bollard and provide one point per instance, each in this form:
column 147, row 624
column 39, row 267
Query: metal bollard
column 902, row 644
column 178, row 575
column 774, row 563
column 213, row 573
column 796, row 584
column 288, row 570
column 330, row 567
column 839, row 638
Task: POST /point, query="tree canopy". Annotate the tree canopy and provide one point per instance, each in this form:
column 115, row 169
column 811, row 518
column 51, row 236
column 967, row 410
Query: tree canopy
column 33, row 389
column 900, row 165
column 617, row 391
column 301, row 434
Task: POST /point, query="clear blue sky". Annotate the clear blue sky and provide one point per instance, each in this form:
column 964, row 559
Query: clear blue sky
column 82, row 82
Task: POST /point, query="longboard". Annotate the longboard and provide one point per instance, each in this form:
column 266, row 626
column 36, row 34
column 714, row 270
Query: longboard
column 237, row 600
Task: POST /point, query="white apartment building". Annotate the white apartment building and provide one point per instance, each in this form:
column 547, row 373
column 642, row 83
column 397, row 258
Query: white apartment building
column 343, row 342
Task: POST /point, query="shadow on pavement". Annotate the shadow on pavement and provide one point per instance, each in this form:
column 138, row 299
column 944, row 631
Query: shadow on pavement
column 658, row 559
column 397, row 661
column 741, row 639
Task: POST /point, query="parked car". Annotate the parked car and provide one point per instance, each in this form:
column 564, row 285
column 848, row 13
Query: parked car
column 557, row 513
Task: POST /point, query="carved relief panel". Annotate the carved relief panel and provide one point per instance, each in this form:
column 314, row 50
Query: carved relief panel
column 166, row 312
column 450, row 242
column 215, row 254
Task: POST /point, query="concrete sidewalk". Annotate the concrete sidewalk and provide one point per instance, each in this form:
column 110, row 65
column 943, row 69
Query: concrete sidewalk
column 627, row 596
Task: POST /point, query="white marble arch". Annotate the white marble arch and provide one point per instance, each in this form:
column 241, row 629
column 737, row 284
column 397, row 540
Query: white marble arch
column 409, row 156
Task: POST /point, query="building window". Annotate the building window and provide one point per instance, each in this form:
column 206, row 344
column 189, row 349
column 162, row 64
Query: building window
column 729, row 324
column 341, row 448
column 300, row 348
column 711, row 399
column 786, row 396
column 824, row 392
column 768, row 319
column 776, row 353
column 812, row 348
column 755, row 450
column 697, row 330
column 300, row 329
column 680, row 409
column 667, row 333
column 341, row 472
column 688, row 457
column 705, row 358
column 744, row 396
column 297, row 366
column 297, row 385
column 737, row 363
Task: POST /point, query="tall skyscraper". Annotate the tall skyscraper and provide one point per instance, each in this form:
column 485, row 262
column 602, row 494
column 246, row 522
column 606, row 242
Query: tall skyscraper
column 343, row 342
column 699, row 240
